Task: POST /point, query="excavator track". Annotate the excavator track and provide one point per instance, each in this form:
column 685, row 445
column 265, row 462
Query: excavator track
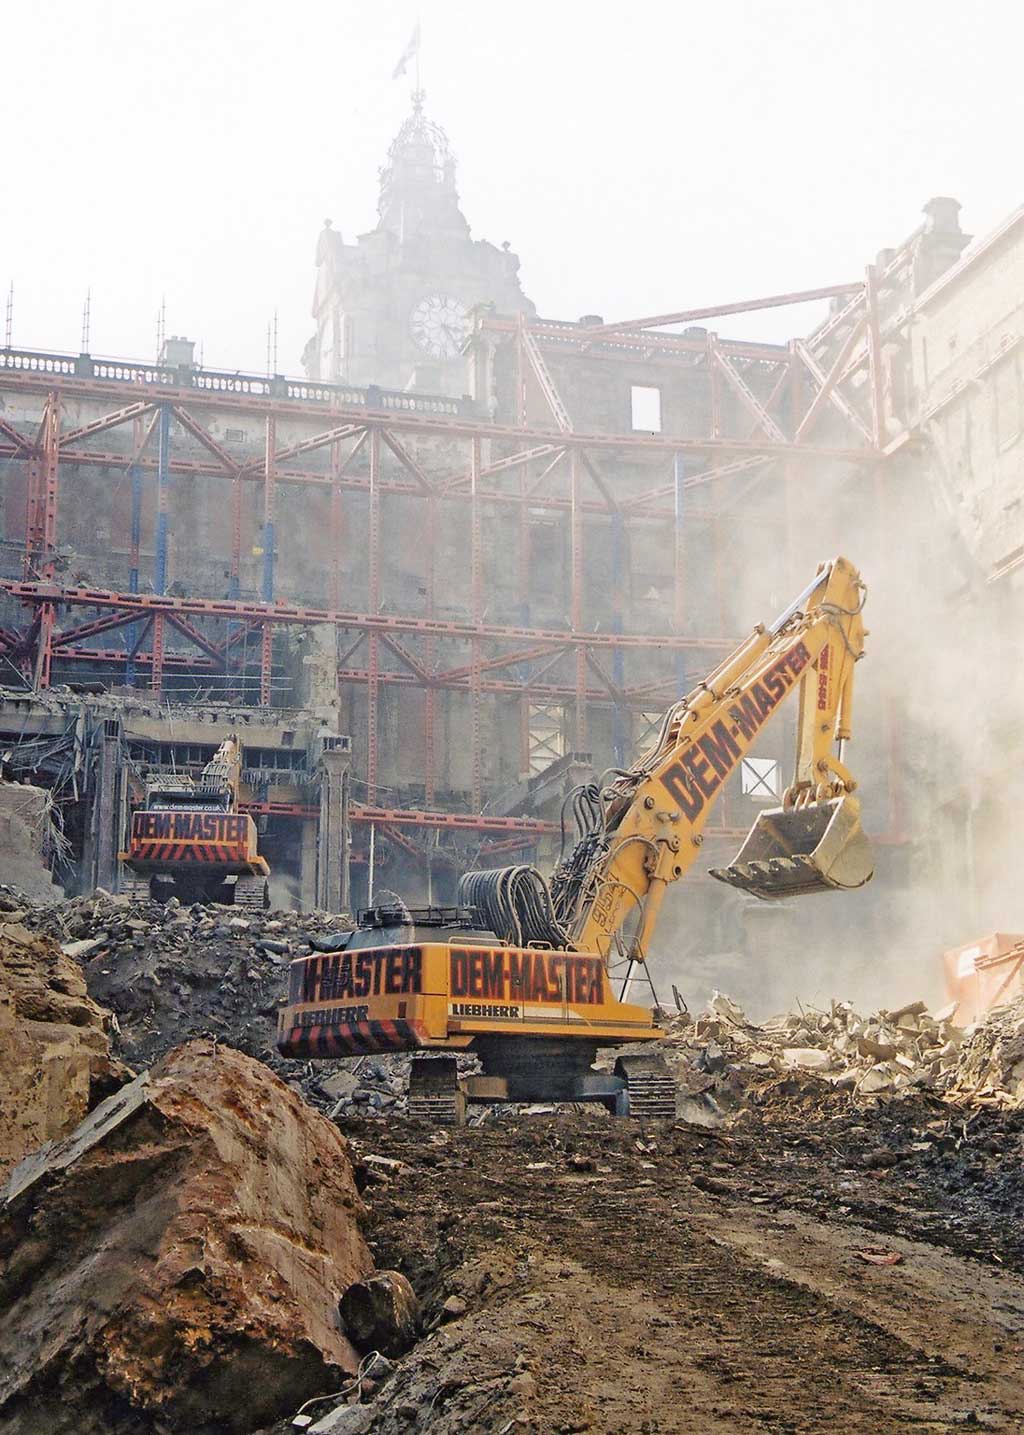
column 434, row 1092
column 252, row 894
column 649, row 1084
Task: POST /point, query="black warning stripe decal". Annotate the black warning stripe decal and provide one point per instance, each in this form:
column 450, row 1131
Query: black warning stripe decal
column 185, row 852
column 354, row 1039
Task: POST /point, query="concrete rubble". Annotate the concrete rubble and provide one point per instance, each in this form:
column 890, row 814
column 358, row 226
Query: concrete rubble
column 718, row 1055
column 990, row 1064
column 176, row 1262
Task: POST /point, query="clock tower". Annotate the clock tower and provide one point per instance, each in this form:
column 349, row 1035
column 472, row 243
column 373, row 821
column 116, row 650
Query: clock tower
column 394, row 307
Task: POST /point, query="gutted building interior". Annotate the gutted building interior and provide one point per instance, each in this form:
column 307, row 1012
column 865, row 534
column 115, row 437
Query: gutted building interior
column 472, row 555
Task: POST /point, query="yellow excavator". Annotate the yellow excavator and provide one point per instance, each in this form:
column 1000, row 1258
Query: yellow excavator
column 189, row 840
column 521, row 973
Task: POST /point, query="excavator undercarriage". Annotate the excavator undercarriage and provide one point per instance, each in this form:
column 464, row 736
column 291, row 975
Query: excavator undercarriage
column 638, row 1086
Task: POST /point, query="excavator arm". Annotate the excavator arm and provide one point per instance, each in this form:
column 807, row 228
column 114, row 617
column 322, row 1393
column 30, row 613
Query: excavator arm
column 654, row 814
column 223, row 773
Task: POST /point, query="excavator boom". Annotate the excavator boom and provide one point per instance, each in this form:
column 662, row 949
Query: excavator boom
column 656, row 812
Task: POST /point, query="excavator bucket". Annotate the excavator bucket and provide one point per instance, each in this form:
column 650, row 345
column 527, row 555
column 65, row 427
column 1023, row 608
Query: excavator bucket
column 789, row 852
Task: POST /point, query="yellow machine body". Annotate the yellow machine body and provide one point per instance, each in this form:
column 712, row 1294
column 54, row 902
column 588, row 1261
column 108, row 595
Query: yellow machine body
column 446, row 995
column 189, row 838
column 168, row 839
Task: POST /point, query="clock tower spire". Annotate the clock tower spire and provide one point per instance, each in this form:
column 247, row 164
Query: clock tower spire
column 395, row 307
column 417, row 183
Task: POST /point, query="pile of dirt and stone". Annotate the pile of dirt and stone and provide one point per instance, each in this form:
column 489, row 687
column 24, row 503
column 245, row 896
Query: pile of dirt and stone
column 56, row 1061
column 812, row 1264
column 204, row 1252
column 168, row 972
column 177, row 1261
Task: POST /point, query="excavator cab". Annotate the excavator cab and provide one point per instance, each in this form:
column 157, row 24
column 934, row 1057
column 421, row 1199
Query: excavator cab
column 790, row 851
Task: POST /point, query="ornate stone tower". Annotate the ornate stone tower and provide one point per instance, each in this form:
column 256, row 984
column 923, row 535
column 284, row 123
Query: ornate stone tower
column 394, row 307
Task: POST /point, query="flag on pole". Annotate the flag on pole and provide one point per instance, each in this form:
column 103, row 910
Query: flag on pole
column 410, row 52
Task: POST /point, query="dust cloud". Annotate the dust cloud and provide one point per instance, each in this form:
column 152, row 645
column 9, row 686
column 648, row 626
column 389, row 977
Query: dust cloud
column 938, row 673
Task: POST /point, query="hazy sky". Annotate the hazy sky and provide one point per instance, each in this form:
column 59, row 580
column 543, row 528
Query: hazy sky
column 640, row 157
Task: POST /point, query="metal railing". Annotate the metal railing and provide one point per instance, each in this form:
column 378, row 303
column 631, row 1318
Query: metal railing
column 189, row 376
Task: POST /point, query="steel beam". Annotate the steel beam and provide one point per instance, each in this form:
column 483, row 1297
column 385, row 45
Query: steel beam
column 290, row 613
column 476, row 609
column 373, row 594
column 714, row 311
column 449, row 426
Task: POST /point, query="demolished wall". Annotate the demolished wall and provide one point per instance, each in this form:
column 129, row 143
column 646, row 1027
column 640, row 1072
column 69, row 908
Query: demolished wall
column 24, row 826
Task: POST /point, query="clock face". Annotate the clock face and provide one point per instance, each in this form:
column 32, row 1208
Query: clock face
column 439, row 325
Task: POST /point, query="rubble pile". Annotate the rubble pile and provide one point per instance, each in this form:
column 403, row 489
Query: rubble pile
column 365, row 1086
column 169, row 972
column 176, row 1262
column 57, row 1061
column 720, row 1053
column 990, row 1067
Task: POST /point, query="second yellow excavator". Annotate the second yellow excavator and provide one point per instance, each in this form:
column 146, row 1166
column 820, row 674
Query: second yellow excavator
column 521, row 973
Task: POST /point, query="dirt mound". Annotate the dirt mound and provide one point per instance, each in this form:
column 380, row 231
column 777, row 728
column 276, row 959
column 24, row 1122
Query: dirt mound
column 176, row 1263
column 579, row 1273
column 56, row 1052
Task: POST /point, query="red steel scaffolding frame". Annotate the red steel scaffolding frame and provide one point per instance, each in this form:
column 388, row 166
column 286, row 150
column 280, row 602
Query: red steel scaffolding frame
column 783, row 421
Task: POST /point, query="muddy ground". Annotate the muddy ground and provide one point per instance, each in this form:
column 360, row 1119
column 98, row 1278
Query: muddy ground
column 603, row 1278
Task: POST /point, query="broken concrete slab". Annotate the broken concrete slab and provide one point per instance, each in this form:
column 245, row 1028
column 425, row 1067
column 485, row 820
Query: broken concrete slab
column 810, row 1058
column 344, row 1420
column 876, row 1079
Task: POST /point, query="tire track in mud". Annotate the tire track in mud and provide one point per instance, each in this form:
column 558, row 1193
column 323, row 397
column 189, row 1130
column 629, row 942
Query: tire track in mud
column 776, row 1355
column 664, row 1282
